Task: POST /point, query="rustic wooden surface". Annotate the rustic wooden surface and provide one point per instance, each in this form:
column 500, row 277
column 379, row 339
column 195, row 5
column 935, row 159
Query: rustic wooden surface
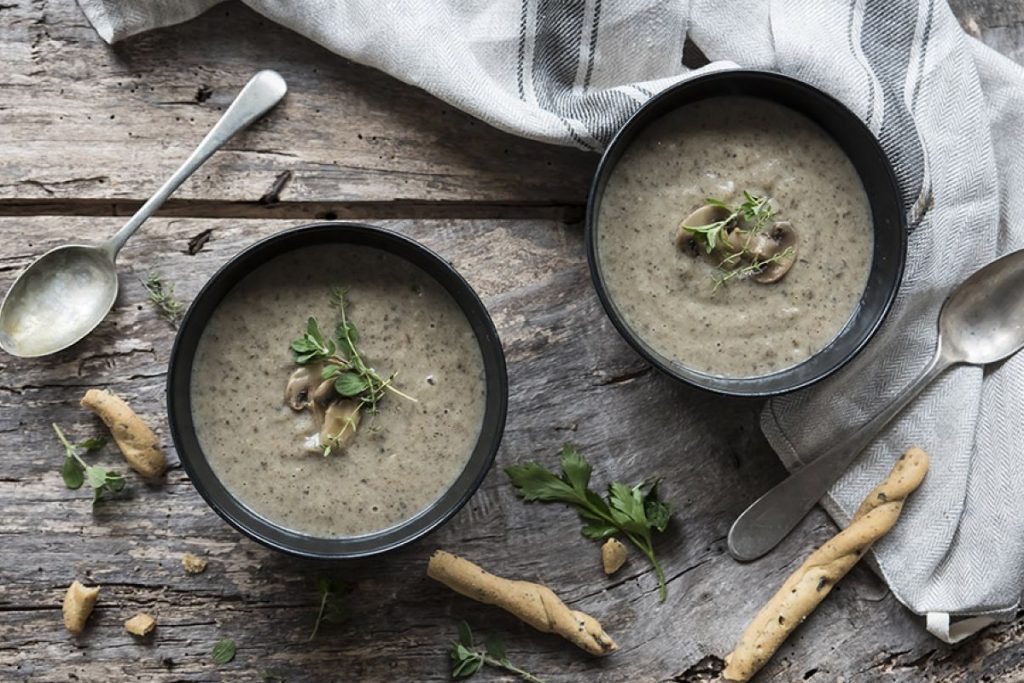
column 86, row 131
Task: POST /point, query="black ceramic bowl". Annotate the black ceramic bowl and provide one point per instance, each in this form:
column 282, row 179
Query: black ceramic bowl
column 890, row 233
column 179, row 400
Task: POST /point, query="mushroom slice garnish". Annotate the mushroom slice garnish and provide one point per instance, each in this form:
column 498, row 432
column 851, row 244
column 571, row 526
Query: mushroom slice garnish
column 779, row 241
column 705, row 215
column 300, row 384
column 340, row 424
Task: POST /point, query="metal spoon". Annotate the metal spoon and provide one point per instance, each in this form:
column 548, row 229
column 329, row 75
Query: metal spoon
column 67, row 291
column 981, row 322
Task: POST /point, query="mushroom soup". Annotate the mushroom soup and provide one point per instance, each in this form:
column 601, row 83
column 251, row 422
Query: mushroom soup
column 266, row 437
column 734, row 237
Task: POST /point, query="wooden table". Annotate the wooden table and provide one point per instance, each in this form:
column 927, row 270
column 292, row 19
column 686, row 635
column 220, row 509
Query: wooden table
column 87, row 131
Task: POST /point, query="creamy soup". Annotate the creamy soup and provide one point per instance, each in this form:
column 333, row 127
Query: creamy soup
column 718, row 148
column 400, row 460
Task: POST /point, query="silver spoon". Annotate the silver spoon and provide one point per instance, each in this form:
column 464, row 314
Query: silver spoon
column 67, row 291
column 981, row 322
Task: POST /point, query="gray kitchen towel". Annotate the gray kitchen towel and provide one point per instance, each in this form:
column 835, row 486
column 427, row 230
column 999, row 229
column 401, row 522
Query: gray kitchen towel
column 949, row 112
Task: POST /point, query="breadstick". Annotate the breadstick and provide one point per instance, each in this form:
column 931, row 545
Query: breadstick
column 809, row 584
column 136, row 440
column 535, row 604
column 78, row 604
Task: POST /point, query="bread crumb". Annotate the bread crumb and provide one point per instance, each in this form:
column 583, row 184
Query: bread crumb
column 613, row 556
column 140, row 625
column 193, row 564
column 78, row 604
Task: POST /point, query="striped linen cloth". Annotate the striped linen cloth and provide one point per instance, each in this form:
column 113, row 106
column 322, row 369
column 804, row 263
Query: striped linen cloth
column 948, row 111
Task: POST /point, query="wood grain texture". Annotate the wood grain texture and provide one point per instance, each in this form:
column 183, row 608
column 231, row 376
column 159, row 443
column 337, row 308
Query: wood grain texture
column 361, row 145
column 82, row 121
column 572, row 378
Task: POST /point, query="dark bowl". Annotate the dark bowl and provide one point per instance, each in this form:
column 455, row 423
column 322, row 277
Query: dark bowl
column 179, row 400
column 890, row 230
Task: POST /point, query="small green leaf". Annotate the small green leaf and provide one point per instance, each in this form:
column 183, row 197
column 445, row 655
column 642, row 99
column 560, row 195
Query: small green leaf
column 313, row 329
column 115, row 482
column 224, row 651
column 72, row 473
column 598, row 531
column 577, row 470
column 93, row 443
column 495, row 647
column 349, row 384
column 97, row 476
column 330, row 371
column 465, row 634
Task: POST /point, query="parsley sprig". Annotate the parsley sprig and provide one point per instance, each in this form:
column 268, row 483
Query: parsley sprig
column 634, row 511
column 75, row 471
column 343, row 362
column 468, row 657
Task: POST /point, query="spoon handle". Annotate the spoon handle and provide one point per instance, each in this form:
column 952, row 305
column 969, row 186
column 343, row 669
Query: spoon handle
column 259, row 95
column 771, row 517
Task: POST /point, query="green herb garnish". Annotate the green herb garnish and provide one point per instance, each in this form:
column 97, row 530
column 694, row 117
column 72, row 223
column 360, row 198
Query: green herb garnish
column 747, row 219
column 162, row 296
column 76, row 471
column 343, row 363
column 223, row 651
column 332, row 605
column 468, row 657
column 634, row 511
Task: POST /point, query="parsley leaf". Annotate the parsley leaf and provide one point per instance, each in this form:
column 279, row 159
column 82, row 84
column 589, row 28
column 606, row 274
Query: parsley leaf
column 634, row 511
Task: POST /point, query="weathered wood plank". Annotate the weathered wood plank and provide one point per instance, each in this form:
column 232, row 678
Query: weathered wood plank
column 80, row 120
column 572, row 379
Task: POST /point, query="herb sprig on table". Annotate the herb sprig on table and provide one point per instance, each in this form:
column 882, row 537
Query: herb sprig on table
column 332, row 603
column 342, row 361
column 75, row 471
column 468, row 657
column 634, row 511
column 162, row 296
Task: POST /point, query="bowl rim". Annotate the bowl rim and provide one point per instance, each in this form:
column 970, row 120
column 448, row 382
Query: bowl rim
column 238, row 514
column 745, row 387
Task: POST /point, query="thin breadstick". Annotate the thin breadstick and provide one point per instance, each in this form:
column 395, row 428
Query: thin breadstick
column 809, row 584
column 136, row 440
column 535, row 604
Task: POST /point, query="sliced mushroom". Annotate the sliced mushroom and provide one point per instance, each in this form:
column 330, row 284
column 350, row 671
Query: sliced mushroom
column 321, row 399
column 705, row 215
column 300, row 384
column 340, row 424
column 779, row 239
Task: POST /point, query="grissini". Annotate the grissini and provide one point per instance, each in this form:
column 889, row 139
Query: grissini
column 534, row 603
column 136, row 440
column 809, row 584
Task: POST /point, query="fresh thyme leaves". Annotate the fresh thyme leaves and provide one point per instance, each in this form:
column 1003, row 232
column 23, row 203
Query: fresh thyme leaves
column 332, row 604
column 77, row 472
column 753, row 268
column 468, row 657
column 756, row 209
column 162, row 296
column 634, row 511
column 223, row 651
column 740, row 237
column 343, row 362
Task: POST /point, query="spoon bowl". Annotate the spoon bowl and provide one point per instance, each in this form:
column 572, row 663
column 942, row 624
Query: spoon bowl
column 57, row 300
column 983, row 320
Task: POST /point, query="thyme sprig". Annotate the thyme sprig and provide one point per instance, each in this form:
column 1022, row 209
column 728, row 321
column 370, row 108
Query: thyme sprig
column 332, row 608
column 343, row 362
column 162, row 296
